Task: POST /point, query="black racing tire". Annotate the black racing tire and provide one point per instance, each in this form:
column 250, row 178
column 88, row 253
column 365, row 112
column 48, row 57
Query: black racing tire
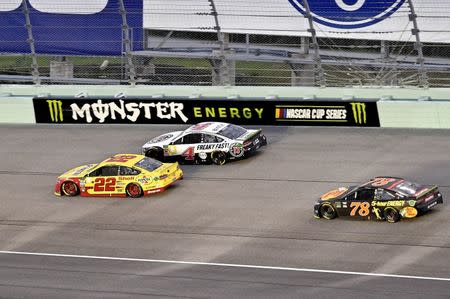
column 134, row 190
column 391, row 215
column 219, row 157
column 327, row 211
column 155, row 153
column 69, row 188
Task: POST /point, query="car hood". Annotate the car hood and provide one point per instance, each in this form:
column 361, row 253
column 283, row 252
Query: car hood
column 78, row 172
column 161, row 140
column 337, row 193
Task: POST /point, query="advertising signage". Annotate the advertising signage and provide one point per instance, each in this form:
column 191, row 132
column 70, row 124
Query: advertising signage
column 189, row 111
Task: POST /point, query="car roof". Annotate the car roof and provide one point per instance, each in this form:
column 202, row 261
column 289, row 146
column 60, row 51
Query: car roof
column 383, row 182
column 122, row 159
column 207, row 127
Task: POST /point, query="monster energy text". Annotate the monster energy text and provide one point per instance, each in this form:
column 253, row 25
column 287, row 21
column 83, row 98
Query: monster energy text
column 131, row 111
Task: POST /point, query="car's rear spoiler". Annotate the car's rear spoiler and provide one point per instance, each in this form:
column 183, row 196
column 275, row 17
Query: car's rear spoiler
column 250, row 136
column 426, row 192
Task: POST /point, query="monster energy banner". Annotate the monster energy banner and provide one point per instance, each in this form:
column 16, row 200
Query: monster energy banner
column 320, row 112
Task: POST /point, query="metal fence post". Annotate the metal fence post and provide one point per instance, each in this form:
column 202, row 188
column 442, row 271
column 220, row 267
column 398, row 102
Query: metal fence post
column 314, row 44
column 423, row 77
column 34, row 62
column 221, row 67
column 126, row 39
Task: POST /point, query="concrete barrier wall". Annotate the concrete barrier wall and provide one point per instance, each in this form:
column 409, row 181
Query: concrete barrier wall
column 414, row 114
column 16, row 110
column 405, row 108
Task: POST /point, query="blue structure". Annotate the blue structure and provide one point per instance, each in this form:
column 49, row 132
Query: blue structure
column 72, row 34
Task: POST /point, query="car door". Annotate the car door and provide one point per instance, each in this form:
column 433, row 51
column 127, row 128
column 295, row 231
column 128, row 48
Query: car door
column 103, row 181
column 360, row 207
column 382, row 199
column 185, row 146
column 210, row 143
column 343, row 205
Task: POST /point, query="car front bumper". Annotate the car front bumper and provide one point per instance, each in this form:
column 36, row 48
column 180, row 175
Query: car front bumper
column 316, row 210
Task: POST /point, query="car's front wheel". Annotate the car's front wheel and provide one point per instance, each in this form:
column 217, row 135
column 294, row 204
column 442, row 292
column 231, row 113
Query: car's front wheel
column 134, row 190
column 69, row 188
column 327, row 211
column 219, row 157
column 391, row 215
column 155, row 153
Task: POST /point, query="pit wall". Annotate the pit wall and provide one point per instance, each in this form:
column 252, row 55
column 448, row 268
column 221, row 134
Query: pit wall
column 397, row 107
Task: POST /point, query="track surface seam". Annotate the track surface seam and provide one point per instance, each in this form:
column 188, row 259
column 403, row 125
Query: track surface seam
column 197, row 178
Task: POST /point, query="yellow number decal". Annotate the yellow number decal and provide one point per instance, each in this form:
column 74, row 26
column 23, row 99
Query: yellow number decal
column 355, row 206
column 363, row 208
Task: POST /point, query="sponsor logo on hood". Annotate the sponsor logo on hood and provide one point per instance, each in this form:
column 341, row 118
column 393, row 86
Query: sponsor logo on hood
column 333, row 193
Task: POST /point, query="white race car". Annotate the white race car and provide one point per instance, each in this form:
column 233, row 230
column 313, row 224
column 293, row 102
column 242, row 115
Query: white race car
column 207, row 142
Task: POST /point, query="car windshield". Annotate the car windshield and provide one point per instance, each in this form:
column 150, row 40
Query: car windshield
column 148, row 164
column 232, row 131
column 408, row 188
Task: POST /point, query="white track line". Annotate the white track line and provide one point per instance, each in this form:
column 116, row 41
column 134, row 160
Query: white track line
column 225, row 265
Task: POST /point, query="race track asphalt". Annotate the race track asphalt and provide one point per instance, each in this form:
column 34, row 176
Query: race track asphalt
column 255, row 212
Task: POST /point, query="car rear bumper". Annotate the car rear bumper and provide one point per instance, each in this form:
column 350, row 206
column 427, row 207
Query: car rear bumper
column 255, row 144
column 170, row 180
column 423, row 207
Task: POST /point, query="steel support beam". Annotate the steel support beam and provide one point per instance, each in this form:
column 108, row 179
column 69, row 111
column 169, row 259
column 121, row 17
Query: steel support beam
column 223, row 72
column 129, row 65
column 423, row 77
column 314, row 44
column 34, row 63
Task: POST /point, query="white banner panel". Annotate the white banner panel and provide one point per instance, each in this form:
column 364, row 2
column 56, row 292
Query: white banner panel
column 354, row 19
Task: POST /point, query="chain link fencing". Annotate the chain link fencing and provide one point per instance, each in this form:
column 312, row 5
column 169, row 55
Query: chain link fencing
column 211, row 50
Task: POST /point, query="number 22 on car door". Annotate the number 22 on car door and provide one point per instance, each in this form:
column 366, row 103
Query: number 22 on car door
column 103, row 181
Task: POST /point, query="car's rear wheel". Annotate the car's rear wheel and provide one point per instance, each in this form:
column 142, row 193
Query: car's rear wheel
column 391, row 215
column 134, row 190
column 219, row 157
column 327, row 211
column 154, row 153
column 69, row 188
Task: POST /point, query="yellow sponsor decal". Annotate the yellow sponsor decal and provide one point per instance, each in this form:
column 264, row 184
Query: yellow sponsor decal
column 172, row 150
column 391, row 203
column 55, row 110
column 359, row 112
column 408, row 212
column 377, row 212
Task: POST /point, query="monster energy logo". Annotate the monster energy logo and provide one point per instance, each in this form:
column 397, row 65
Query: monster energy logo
column 56, row 111
column 359, row 112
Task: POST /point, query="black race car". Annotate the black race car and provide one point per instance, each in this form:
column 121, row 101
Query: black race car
column 382, row 198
